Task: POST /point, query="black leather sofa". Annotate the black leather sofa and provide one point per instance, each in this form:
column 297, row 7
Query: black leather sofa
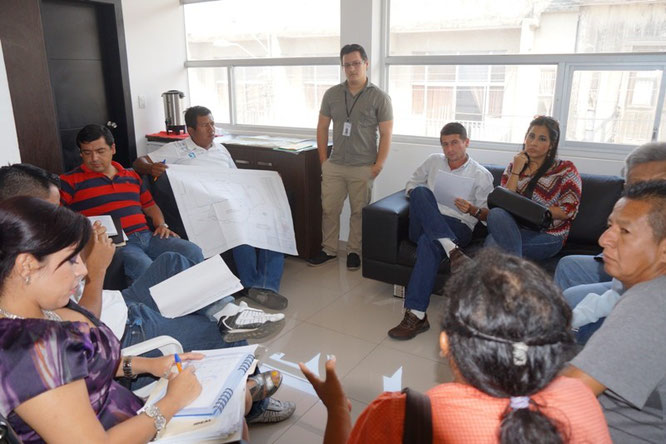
column 389, row 255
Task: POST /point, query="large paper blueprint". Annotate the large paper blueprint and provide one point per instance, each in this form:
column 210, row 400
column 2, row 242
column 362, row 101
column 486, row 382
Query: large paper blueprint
column 224, row 208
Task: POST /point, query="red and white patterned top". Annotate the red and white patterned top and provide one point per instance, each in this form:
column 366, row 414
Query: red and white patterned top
column 560, row 186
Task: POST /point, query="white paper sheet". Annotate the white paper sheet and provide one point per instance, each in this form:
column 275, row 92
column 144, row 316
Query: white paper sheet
column 449, row 187
column 107, row 222
column 222, row 209
column 194, row 288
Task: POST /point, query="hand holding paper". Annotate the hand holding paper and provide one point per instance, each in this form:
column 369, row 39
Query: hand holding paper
column 449, row 186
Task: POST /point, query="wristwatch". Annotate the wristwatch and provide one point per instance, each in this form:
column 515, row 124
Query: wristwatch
column 477, row 213
column 152, row 411
column 163, row 224
column 127, row 367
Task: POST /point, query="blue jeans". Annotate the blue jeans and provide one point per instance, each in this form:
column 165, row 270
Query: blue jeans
column 504, row 232
column 258, row 267
column 579, row 270
column 426, row 226
column 142, row 248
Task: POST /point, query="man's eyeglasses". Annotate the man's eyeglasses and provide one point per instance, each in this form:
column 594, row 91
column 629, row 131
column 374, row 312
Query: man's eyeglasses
column 355, row 64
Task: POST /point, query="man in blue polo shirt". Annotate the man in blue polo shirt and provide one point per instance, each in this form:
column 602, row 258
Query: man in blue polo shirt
column 100, row 186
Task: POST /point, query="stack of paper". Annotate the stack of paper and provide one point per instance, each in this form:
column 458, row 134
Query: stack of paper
column 195, row 288
column 221, row 371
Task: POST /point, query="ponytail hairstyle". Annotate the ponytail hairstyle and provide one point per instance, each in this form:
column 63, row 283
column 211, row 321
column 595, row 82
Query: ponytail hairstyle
column 509, row 335
column 553, row 128
column 34, row 226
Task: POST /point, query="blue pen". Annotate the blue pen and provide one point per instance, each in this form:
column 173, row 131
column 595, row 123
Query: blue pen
column 164, row 162
column 179, row 364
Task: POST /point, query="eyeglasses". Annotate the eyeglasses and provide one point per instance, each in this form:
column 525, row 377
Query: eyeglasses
column 355, row 64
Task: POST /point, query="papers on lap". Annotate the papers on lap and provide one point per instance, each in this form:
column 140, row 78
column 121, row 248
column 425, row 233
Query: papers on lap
column 449, row 187
column 222, row 209
column 218, row 412
column 195, row 288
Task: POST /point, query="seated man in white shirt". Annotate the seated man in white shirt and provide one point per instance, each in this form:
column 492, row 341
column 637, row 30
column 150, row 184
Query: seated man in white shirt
column 260, row 271
column 437, row 229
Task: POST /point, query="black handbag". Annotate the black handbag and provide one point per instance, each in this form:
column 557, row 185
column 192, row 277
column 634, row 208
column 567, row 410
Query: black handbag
column 528, row 213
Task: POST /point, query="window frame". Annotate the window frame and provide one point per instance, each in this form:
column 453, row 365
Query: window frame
column 565, row 65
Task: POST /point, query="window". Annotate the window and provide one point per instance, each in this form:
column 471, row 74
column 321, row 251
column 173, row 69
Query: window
column 613, row 106
column 282, row 95
column 494, row 64
column 436, row 27
column 270, row 68
column 494, row 102
column 232, row 29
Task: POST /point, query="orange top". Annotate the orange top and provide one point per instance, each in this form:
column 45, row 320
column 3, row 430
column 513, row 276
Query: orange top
column 463, row 414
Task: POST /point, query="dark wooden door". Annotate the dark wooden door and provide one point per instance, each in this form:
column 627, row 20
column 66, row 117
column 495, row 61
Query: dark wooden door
column 86, row 78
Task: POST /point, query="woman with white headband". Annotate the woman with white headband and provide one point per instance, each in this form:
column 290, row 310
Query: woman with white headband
column 506, row 335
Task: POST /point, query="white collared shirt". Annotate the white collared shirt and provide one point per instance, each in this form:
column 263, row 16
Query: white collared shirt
column 186, row 152
column 426, row 174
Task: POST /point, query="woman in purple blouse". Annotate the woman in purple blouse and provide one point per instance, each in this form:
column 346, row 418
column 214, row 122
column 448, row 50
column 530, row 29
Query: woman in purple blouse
column 57, row 361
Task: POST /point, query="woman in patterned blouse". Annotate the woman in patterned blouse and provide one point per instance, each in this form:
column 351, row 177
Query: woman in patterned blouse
column 538, row 174
column 57, row 361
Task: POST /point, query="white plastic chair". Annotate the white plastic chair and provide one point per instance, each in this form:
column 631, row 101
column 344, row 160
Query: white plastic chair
column 166, row 344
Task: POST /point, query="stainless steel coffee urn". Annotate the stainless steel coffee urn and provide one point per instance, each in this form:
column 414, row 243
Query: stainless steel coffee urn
column 173, row 111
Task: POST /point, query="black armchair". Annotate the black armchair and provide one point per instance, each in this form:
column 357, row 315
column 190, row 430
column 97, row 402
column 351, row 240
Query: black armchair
column 389, row 255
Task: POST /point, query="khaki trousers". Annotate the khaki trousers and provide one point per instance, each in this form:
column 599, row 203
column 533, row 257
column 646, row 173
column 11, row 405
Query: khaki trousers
column 338, row 182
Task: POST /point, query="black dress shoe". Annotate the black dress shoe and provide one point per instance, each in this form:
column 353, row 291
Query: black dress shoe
column 353, row 261
column 320, row 259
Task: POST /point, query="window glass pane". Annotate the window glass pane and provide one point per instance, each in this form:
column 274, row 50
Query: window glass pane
column 209, row 87
column 525, row 26
column 662, row 126
column 495, row 103
column 262, row 28
column 282, row 95
column 613, row 106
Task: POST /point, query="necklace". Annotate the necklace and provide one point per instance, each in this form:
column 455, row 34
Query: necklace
column 50, row 315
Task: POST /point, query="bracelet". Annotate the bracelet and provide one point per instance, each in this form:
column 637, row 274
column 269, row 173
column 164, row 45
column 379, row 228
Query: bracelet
column 163, row 224
column 515, row 174
column 127, row 367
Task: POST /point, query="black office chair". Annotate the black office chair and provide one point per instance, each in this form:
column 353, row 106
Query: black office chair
column 7, row 435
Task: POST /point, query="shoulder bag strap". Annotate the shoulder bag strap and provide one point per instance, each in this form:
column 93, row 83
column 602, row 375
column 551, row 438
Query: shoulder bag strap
column 418, row 418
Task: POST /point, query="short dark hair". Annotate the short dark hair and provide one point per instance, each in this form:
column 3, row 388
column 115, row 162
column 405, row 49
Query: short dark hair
column 92, row 132
column 23, row 179
column 653, row 191
column 509, row 334
column 454, row 128
column 193, row 112
column 353, row 47
column 32, row 225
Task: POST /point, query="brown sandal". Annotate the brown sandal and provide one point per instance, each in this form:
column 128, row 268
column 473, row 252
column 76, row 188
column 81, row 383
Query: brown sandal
column 265, row 384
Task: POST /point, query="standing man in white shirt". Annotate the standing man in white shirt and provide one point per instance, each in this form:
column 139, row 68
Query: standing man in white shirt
column 438, row 230
column 358, row 110
column 260, row 271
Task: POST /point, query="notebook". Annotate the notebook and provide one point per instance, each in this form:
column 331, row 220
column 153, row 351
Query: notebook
column 220, row 373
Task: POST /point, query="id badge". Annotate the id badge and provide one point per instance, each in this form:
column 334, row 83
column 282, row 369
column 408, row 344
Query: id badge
column 346, row 129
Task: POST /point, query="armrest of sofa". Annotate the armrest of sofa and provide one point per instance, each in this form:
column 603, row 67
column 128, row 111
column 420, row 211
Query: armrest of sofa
column 385, row 224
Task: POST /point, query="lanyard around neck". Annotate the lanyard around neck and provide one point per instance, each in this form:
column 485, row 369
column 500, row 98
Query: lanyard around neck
column 349, row 111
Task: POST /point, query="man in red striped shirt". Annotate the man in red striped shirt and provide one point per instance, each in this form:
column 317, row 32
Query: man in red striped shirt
column 101, row 186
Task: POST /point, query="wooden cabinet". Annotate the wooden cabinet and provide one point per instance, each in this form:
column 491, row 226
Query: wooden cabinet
column 301, row 175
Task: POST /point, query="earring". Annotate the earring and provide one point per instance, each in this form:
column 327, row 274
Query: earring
column 27, row 280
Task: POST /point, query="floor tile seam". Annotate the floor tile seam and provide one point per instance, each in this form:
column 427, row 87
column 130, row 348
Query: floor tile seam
column 321, row 309
column 358, row 363
column 387, row 341
column 283, row 332
column 373, row 343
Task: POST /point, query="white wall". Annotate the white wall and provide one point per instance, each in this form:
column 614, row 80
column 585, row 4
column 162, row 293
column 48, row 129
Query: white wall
column 9, row 149
column 156, row 53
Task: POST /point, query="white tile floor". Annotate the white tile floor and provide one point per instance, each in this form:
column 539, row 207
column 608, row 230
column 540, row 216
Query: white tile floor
column 336, row 311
